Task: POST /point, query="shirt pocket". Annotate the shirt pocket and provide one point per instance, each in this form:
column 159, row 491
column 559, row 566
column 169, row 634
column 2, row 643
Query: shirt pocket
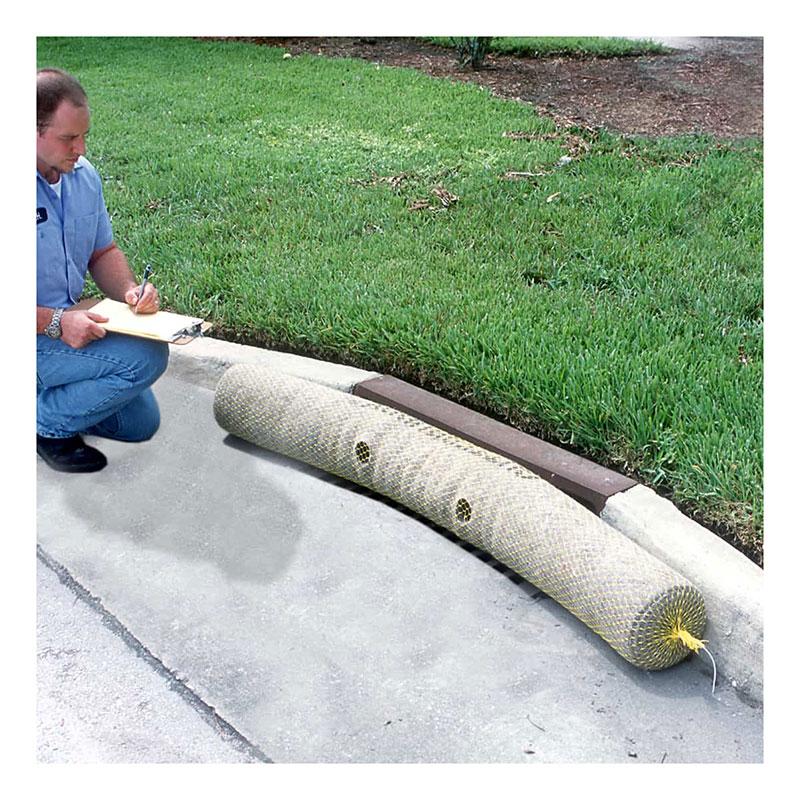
column 81, row 236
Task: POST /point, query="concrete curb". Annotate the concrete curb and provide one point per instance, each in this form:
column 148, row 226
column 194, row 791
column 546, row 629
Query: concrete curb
column 731, row 584
column 205, row 360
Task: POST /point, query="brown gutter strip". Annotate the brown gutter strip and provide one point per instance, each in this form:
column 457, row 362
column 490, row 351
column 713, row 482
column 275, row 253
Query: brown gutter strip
column 578, row 477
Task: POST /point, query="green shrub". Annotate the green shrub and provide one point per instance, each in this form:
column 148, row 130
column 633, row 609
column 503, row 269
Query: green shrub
column 471, row 50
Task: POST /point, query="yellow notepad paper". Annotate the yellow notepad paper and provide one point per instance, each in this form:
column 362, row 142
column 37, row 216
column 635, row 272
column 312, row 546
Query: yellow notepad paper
column 163, row 325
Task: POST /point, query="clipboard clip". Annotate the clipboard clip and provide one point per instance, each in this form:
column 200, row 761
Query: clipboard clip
column 191, row 331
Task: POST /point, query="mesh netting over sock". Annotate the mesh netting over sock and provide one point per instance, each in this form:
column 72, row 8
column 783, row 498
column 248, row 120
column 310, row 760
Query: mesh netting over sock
column 646, row 611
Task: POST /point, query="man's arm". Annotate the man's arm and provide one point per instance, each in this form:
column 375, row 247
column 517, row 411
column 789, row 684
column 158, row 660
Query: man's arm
column 112, row 274
column 114, row 278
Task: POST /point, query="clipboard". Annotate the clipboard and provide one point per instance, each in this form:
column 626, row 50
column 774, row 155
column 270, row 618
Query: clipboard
column 164, row 326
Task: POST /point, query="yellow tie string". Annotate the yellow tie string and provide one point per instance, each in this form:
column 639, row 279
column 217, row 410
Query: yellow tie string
column 680, row 634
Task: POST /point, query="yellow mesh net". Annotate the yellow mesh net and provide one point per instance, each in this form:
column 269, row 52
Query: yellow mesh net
column 646, row 611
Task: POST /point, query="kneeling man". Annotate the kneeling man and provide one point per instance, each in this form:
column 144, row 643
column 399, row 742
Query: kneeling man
column 88, row 381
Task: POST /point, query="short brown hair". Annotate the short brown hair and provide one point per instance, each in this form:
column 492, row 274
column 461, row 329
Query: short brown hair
column 52, row 87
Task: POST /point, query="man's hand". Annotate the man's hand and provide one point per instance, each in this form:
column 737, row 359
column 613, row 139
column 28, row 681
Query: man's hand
column 149, row 302
column 114, row 279
column 78, row 328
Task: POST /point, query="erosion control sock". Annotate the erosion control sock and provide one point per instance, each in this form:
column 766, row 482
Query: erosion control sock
column 645, row 610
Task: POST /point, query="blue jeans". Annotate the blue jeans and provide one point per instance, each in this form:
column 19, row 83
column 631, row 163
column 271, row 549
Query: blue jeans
column 102, row 389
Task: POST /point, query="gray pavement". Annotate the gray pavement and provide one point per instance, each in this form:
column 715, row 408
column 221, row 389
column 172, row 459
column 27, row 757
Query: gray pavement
column 245, row 607
column 103, row 698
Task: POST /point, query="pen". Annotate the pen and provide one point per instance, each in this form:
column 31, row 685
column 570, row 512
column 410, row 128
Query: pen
column 147, row 272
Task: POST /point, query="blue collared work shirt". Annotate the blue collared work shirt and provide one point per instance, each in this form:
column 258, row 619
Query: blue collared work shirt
column 68, row 230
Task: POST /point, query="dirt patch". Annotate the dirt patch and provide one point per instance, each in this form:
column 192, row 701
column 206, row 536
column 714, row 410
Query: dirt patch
column 712, row 85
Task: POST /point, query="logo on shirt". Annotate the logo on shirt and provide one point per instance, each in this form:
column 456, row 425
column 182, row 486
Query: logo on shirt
column 41, row 215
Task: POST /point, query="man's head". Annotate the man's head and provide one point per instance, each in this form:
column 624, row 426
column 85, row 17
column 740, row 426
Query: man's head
column 62, row 122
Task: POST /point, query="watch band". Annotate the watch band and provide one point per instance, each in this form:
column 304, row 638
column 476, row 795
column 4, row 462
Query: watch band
column 53, row 329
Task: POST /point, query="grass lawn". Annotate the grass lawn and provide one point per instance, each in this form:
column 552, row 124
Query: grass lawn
column 611, row 303
column 581, row 46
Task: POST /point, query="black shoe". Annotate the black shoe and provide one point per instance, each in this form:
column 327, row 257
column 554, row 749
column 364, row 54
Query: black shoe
column 70, row 455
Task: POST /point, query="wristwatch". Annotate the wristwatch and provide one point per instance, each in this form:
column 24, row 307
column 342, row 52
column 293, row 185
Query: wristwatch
column 53, row 329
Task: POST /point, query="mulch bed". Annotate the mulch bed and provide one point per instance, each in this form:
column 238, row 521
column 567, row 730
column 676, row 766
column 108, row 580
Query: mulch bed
column 715, row 89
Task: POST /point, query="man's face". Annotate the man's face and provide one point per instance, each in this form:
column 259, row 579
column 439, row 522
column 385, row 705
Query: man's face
column 63, row 141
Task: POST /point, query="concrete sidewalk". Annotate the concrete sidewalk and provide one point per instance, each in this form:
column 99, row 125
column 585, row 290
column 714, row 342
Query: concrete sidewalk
column 263, row 610
column 102, row 697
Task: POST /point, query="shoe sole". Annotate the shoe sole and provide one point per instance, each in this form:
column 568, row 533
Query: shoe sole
column 72, row 467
